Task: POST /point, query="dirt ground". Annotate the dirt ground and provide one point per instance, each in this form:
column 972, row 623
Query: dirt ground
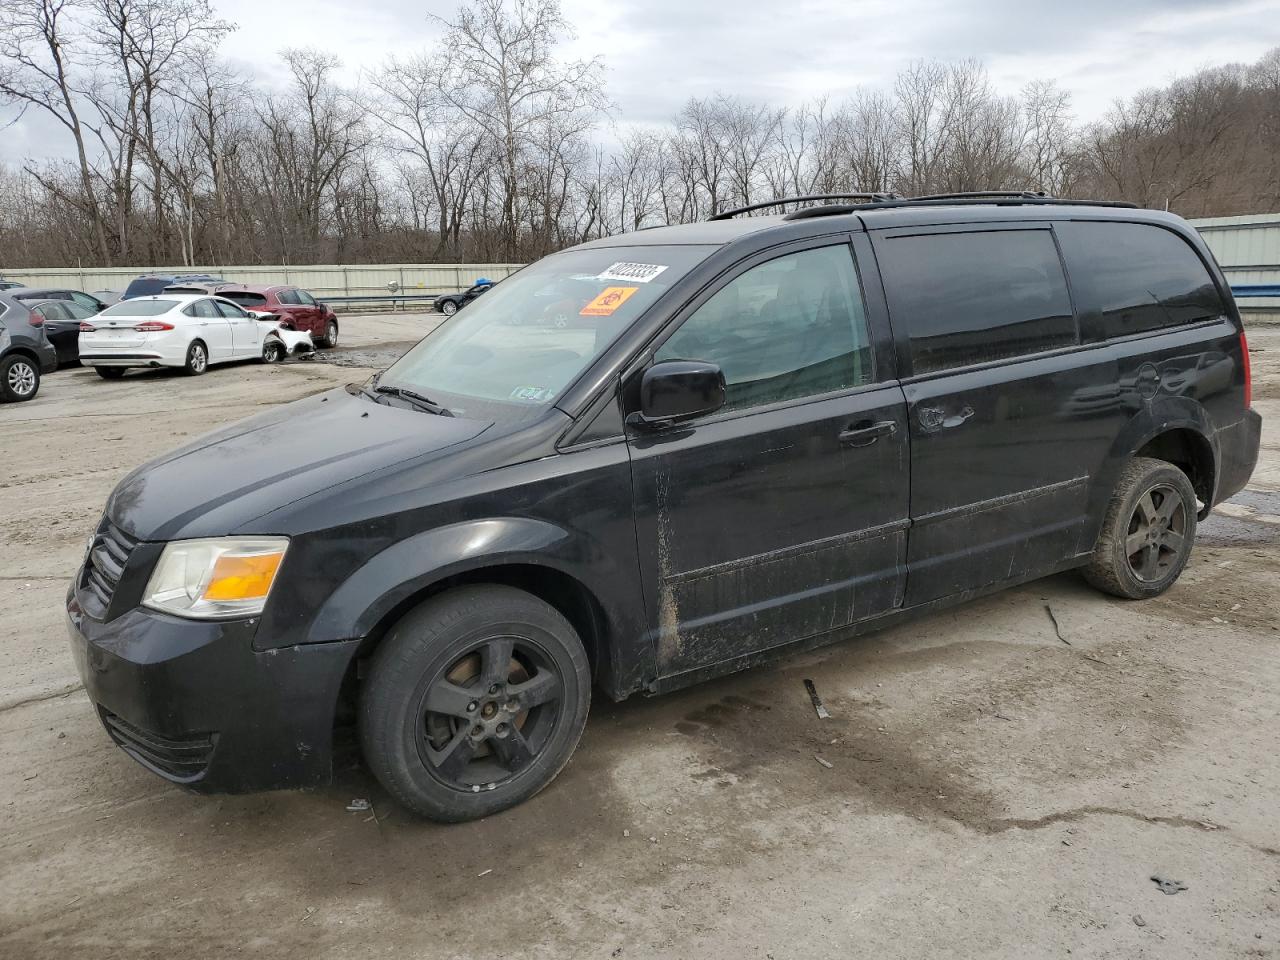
column 989, row 790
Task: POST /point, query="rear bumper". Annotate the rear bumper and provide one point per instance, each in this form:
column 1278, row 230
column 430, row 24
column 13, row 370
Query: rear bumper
column 127, row 359
column 1239, row 454
column 194, row 703
column 48, row 358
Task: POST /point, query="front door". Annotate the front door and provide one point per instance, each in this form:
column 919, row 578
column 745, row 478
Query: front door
column 246, row 335
column 783, row 515
column 211, row 327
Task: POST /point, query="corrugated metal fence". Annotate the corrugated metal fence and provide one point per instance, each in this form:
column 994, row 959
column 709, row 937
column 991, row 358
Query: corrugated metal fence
column 1248, row 250
column 326, row 280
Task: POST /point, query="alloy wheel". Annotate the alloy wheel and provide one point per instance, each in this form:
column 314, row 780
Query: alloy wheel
column 199, row 359
column 22, row 378
column 1156, row 537
column 487, row 715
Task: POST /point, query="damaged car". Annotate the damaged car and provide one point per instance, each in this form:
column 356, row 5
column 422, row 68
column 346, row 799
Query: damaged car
column 184, row 330
column 753, row 436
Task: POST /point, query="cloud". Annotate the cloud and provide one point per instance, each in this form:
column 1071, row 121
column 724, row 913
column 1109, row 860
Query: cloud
column 658, row 53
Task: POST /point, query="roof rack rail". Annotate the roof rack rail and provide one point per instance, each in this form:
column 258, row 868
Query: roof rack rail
column 984, row 195
column 1011, row 199
column 869, row 197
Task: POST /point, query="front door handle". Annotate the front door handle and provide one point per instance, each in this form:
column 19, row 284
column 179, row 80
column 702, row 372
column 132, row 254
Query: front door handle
column 865, row 432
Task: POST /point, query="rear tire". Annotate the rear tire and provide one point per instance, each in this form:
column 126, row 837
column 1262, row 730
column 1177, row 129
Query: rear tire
column 19, row 378
column 109, row 373
column 1147, row 533
column 197, row 359
column 474, row 701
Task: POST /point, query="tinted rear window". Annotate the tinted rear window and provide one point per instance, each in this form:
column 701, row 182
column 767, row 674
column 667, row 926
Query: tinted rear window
column 145, row 287
column 968, row 298
column 139, row 308
column 1134, row 277
column 245, row 299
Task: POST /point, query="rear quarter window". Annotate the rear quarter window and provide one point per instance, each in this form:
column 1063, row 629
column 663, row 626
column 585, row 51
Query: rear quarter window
column 1136, row 277
column 972, row 297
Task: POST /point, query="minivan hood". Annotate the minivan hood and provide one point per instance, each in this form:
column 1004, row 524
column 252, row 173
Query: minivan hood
column 225, row 479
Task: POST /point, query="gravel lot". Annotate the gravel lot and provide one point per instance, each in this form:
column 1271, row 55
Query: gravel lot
column 991, row 792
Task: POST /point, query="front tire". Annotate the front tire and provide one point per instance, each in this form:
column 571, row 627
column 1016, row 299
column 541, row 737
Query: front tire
column 474, row 702
column 197, row 359
column 19, row 378
column 1148, row 531
column 449, row 308
column 273, row 350
column 330, row 338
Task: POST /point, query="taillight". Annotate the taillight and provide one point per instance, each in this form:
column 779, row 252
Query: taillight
column 153, row 326
column 36, row 320
column 1248, row 372
column 87, row 327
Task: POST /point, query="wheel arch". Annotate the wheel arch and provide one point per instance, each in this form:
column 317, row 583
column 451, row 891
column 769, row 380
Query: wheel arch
column 567, row 571
column 1177, row 431
column 1192, row 453
column 564, row 592
column 23, row 351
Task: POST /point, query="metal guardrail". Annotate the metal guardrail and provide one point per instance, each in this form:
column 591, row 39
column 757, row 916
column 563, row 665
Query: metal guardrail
column 392, row 298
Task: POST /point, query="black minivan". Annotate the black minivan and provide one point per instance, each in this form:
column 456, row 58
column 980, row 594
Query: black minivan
column 655, row 458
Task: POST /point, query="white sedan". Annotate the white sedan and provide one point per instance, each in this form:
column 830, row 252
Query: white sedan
column 182, row 330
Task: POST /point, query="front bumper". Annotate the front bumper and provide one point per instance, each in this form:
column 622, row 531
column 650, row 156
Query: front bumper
column 194, row 703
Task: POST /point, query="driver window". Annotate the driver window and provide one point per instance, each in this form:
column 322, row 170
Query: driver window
column 305, row 298
column 229, row 310
column 788, row 328
column 289, row 296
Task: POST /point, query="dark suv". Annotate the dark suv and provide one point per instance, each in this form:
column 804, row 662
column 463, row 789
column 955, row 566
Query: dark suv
column 759, row 435
column 25, row 350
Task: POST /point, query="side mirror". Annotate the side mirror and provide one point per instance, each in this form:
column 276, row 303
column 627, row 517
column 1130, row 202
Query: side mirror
column 679, row 389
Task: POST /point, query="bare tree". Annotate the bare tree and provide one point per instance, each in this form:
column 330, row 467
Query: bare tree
column 39, row 51
column 503, row 76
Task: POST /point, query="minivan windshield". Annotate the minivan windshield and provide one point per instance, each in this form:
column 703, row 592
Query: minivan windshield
column 510, row 353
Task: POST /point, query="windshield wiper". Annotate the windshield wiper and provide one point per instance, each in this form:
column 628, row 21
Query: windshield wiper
column 417, row 399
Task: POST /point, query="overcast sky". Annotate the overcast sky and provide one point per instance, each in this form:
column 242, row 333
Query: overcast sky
column 660, row 52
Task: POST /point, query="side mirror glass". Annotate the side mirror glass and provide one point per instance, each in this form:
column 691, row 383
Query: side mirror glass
column 679, row 389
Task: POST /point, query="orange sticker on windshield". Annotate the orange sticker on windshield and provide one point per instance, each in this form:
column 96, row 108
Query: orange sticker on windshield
column 610, row 299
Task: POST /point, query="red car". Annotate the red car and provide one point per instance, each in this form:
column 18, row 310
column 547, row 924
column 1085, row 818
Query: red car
column 293, row 304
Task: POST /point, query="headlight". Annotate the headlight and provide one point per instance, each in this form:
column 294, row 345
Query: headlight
column 226, row 577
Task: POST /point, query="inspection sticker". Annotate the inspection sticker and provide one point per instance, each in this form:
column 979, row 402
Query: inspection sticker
column 531, row 394
column 632, row 272
column 610, row 299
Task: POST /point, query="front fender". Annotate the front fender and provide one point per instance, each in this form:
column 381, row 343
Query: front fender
column 406, row 568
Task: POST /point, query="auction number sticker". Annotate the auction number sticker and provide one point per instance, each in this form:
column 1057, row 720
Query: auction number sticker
column 609, row 300
column 531, row 394
column 632, row 272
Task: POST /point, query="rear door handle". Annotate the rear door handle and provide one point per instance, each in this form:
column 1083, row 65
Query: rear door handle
column 864, row 432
